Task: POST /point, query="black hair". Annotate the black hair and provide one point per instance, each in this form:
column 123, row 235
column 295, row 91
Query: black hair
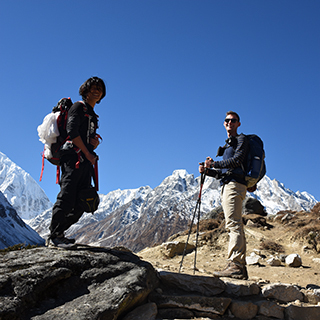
column 234, row 114
column 85, row 87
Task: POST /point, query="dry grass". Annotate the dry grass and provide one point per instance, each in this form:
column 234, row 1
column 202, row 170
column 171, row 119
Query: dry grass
column 271, row 246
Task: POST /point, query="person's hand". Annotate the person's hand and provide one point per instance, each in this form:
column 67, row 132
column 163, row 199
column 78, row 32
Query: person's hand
column 252, row 189
column 95, row 142
column 206, row 164
column 92, row 158
column 201, row 167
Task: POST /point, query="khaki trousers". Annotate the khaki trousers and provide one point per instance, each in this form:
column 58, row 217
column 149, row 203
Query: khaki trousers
column 232, row 195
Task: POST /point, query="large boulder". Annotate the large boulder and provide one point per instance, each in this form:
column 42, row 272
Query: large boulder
column 93, row 283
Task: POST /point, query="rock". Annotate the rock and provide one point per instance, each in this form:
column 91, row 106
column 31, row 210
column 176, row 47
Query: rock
column 96, row 283
column 215, row 305
column 170, row 249
column 282, row 292
column 274, row 261
column 253, row 259
column 287, row 217
column 270, row 309
column 311, row 296
column 293, row 312
column 147, row 311
column 175, row 313
column 317, row 260
column 293, row 260
column 207, row 286
column 213, row 214
column 244, row 309
column 241, row 288
column 253, row 206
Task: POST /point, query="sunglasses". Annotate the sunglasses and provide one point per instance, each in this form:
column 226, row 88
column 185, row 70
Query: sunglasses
column 232, row 120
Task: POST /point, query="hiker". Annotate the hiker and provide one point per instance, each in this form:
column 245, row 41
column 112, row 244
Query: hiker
column 233, row 192
column 76, row 165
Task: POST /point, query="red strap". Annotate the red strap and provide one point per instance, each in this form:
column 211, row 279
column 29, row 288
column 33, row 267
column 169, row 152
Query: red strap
column 96, row 174
column 42, row 167
column 58, row 175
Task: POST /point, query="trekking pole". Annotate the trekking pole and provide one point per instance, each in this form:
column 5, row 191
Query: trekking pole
column 197, row 208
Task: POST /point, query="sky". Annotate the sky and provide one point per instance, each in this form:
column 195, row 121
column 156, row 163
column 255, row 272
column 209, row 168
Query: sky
column 173, row 68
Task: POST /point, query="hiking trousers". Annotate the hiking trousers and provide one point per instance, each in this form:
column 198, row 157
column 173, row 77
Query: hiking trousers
column 233, row 194
column 67, row 209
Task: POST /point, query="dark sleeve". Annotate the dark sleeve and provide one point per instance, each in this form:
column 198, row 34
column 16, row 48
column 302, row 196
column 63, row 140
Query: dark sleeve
column 75, row 115
column 238, row 157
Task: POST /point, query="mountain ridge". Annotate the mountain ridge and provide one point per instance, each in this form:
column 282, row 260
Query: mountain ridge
column 140, row 217
column 153, row 215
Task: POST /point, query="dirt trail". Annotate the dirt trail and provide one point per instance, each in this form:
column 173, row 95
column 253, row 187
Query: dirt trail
column 211, row 253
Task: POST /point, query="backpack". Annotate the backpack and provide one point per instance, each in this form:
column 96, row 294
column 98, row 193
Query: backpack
column 52, row 132
column 255, row 167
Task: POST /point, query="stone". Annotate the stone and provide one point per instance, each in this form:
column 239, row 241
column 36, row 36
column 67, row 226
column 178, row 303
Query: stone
column 244, row 309
column 253, row 259
column 173, row 248
column 311, row 296
column 282, row 292
column 146, row 311
column 270, row 309
column 215, row 305
column 175, row 313
column 293, row 312
column 293, row 260
column 241, row 288
column 274, row 261
column 207, row 286
column 253, row 206
column 93, row 283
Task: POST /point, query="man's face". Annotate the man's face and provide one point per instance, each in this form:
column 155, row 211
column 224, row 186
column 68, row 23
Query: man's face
column 95, row 93
column 231, row 124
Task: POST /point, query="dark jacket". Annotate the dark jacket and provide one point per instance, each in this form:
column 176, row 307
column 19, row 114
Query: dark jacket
column 82, row 121
column 234, row 155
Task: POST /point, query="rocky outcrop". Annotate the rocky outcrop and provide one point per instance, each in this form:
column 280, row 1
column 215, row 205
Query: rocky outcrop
column 100, row 283
column 232, row 299
column 92, row 283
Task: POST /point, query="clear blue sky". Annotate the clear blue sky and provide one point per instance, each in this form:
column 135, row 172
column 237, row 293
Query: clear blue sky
column 173, row 68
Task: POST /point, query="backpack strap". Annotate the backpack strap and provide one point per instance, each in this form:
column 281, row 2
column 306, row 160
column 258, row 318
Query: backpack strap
column 42, row 166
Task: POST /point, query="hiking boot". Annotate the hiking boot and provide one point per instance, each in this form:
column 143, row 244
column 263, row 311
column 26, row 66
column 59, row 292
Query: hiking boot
column 233, row 271
column 60, row 241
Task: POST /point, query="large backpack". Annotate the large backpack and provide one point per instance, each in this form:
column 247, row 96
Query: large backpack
column 52, row 132
column 255, row 167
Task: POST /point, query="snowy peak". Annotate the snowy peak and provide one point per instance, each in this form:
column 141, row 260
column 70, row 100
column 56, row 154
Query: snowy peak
column 275, row 197
column 21, row 190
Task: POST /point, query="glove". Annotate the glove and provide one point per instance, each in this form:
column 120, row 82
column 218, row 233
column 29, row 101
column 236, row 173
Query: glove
column 213, row 173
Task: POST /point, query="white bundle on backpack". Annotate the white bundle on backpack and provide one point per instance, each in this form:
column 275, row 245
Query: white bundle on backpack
column 48, row 132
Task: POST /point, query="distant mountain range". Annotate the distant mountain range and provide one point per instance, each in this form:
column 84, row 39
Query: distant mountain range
column 137, row 218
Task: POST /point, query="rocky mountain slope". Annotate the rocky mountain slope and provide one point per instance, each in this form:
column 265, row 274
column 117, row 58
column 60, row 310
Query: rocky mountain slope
column 12, row 228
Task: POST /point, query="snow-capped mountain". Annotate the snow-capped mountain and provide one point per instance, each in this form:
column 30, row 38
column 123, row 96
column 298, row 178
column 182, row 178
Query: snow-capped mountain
column 21, row 190
column 12, row 229
column 142, row 217
column 108, row 204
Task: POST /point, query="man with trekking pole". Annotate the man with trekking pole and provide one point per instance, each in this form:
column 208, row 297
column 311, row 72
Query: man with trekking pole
column 233, row 191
